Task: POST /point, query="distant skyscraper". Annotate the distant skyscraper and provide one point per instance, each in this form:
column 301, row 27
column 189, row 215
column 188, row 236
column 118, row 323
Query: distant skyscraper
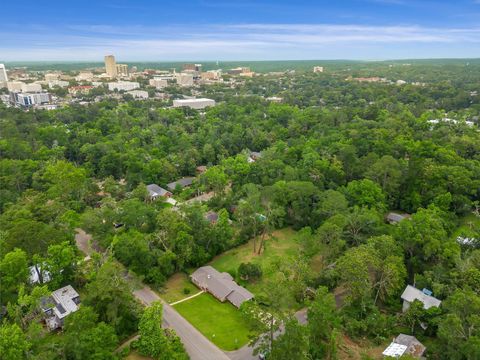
column 110, row 66
column 122, row 69
column 3, row 73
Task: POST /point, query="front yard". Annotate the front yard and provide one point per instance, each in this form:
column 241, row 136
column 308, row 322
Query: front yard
column 221, row 323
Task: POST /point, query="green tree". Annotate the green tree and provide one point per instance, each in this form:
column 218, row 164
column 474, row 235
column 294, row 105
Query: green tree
column 293, row 344
column 109, row 294
column 459, row 328
column 366, row 193
column 156, row 342
column 13, row 271
column 61, row 263
column 85, row 338
column 13, row 342
column 323, row 320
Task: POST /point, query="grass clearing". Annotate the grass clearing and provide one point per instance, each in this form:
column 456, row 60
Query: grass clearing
column 221, row 323
column 174, row 288
column 283, row 245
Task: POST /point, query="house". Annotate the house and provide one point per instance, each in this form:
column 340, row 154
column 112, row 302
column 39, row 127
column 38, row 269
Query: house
column 254, row 156
column 220, row 285
column 212, row 217
column 38, row 274
column 410, row 294
column 155, row 191
column 183, row 182
column 59, row 305
column 395, row 218
column 201, row 169
column 405, row 345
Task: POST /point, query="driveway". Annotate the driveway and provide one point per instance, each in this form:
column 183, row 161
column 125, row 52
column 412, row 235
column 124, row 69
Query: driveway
column 82, row 239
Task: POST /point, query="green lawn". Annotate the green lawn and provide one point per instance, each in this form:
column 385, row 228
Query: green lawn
column 173, row 289
column 221, row 323
column 283, row 246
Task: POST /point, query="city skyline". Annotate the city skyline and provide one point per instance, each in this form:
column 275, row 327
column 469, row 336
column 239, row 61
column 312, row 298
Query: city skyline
column 226, row 30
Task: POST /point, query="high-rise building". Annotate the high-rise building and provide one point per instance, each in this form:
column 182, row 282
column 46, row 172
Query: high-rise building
column 110, row 66
column 192, row 67
column 3, row 73
column 122, row 69
column 184, row 79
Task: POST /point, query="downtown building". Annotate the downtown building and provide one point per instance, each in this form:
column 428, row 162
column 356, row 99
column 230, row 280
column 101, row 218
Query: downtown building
column 110, row 66
column 27, row 100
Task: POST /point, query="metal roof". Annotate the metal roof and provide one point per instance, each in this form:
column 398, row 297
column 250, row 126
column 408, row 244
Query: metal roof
column 155, row 190
column 394, row 350
column 411, row 294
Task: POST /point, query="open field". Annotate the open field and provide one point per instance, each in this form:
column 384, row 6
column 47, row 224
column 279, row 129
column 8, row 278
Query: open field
column 221, row 323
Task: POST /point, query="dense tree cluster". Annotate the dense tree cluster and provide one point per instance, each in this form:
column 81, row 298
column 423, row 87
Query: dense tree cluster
column 336, row 156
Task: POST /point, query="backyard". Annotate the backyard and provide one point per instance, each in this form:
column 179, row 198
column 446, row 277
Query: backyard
column 221, row 323
column 281, row 246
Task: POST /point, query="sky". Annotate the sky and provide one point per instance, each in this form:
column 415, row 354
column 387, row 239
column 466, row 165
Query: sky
column 176, row 30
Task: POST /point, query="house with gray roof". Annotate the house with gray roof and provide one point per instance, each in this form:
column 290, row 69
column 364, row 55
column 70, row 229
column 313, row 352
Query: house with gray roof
column 254, row 156
column 395, row 218
column 220, row 285
column 61, row 303
column 183, row 183
column 404, row 345
column 410, row 294
column 155, row 191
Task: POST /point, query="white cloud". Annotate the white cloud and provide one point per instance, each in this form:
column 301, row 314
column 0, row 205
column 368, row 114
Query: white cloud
column 232, row 41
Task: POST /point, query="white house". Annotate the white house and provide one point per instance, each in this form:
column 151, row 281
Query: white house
column 59, row 305
column 410, row 294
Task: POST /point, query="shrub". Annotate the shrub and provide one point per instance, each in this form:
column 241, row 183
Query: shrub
column 249, row 271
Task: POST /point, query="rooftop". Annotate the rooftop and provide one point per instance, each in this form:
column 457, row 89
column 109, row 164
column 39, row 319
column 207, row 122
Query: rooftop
column 155, row 190
column 221, row 285
column 411, row 294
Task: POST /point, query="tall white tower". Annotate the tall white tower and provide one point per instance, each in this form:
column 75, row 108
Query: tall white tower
column 110, row 66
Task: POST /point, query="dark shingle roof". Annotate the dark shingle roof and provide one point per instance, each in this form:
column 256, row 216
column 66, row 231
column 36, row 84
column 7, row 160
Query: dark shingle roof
column 155, row 190
column 183, row 182
column 221, row 285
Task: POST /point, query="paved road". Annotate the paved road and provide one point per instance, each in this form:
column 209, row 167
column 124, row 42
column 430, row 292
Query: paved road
column 198, row 346
column 83, row 241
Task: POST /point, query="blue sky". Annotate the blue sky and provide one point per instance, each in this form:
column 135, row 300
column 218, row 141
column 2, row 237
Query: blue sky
column 167, row 30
